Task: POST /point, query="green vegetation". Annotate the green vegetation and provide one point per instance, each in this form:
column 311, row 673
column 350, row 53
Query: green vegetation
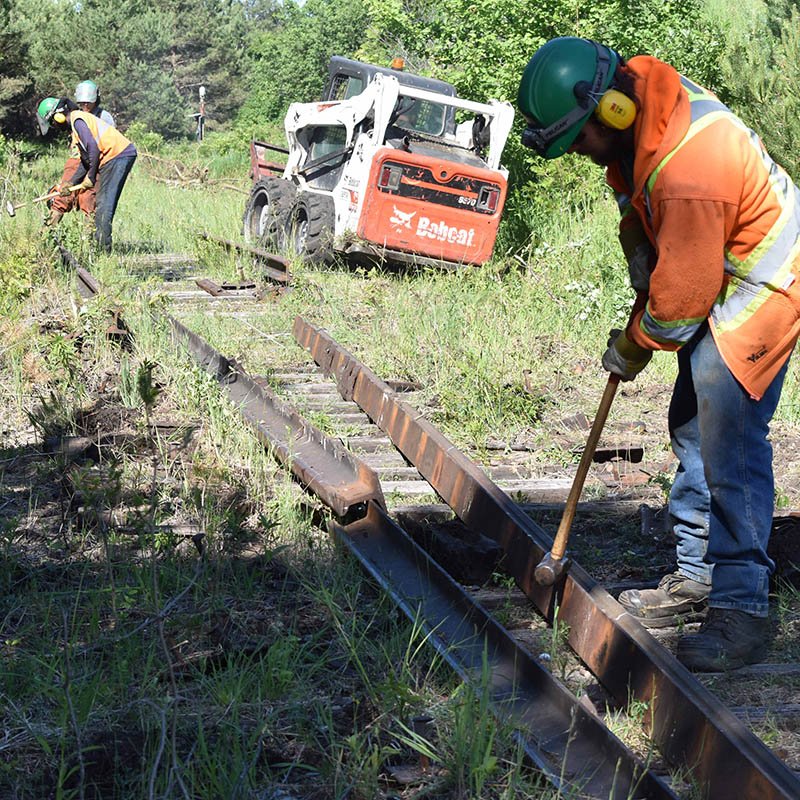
column 133, row 663
column 174, row 622
column 255, row 58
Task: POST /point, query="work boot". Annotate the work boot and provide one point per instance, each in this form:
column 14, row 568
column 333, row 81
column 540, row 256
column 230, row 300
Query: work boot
column 728, row 639
column 676, row 599
column 54, row 218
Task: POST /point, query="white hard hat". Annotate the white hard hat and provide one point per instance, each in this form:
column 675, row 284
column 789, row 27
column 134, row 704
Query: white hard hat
column 86, row 92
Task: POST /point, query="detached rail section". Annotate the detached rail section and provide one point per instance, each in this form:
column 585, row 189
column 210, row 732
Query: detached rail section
column 690, row 726
column 570, row 745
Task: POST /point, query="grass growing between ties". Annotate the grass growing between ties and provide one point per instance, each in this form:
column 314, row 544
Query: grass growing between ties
column 173, row 620
column 174, row 625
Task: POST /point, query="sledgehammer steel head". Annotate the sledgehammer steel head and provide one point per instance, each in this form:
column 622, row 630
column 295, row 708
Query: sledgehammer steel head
column 12, row 212
column 549, row 570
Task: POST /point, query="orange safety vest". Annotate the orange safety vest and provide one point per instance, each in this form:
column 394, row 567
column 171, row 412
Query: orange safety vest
column 724, row 221
column 109, row 140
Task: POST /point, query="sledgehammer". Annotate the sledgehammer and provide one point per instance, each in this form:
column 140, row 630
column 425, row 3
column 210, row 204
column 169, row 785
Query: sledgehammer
column 12, row 209
column 553, row 565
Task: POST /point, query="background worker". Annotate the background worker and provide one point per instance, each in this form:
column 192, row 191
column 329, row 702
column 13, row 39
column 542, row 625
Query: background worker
column 711, row 230
column 104, row 153
column 87, row 98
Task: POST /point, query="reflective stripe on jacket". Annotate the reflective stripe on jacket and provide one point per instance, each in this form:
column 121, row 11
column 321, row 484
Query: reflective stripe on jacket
column 724, row 220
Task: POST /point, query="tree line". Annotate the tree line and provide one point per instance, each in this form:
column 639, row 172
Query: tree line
column 256, row 56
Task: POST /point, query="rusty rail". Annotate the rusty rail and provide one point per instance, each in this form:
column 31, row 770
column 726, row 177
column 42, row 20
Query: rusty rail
column 341, row 480
column 89, row 286
column 690, row 726
column 559, row 736
column 572, row 747
column 273, row 266
column 564, row 740
column 569, row 744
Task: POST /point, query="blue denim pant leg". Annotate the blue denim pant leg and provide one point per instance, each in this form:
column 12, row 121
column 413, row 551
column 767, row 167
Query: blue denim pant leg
column 112, row 177
column 689, row 499
column 722, row 500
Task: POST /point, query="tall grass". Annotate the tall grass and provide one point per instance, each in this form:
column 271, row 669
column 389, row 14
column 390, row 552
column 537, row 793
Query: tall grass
column 133, row 665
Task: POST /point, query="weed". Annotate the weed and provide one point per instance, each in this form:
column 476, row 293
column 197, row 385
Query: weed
column 471, row 760
column 53, row 416
column 782, row 499
column 558, row 650
column 663, row 481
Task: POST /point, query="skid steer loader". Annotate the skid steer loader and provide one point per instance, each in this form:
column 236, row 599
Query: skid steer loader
column 388, row 167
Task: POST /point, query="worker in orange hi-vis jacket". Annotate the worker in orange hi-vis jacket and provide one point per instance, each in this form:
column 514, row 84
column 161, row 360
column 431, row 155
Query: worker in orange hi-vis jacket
column 106, row 158
column 87, row 98
column 710, row 227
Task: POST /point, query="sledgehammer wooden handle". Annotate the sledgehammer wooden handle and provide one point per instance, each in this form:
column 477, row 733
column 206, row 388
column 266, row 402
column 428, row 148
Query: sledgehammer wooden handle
column 552, row 565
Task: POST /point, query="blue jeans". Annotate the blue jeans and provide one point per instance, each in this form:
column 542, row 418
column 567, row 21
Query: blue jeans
column 722, row 499
column 111, row 179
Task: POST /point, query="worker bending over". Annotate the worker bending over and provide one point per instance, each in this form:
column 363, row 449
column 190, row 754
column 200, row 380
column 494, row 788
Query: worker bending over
column 710, row 227
column 105, row 154
column 87, row 98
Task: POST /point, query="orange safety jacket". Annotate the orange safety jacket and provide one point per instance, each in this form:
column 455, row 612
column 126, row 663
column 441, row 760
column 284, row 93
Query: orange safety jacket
column 724, row 223
column 109, row 140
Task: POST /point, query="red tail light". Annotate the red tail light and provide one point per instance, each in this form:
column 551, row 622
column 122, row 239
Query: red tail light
column 390, row 177
column 489, row 198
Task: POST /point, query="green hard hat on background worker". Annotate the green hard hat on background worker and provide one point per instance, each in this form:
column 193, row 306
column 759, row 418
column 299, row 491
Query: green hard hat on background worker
column 559, row 91
column 47, row 111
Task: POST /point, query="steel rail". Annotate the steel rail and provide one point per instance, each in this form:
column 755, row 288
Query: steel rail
column 570, row 745
column 275, row 267
column 88, row 285
column 559, row 736
column 340, row 479
column 689, row 725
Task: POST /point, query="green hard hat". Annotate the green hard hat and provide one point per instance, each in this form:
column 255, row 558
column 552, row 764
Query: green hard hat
column 560, row 87
column 44, row 113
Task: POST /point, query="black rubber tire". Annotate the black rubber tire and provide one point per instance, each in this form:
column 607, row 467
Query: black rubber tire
column 309, row 228
column 266, row 212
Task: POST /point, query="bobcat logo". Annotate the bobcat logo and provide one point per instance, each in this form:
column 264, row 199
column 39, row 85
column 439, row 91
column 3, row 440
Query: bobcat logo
column 400, row 219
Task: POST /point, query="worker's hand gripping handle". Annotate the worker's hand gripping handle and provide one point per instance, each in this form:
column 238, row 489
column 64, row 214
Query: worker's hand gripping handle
column 552, row 565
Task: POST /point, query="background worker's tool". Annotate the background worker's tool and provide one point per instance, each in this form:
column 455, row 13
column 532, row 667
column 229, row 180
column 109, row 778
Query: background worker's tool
column 553, row 565
column 12, row 209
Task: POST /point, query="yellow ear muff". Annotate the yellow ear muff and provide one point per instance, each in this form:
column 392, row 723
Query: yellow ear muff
column 59, row 118
column 616, row 110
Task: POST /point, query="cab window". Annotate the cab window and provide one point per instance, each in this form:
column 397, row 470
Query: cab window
column 323, row 141
column 422, row 116
column 346, row 86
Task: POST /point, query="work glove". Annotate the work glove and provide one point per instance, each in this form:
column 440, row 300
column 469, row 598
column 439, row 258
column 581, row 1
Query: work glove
column 64, row 189
column 624, row 357
column 86, row 183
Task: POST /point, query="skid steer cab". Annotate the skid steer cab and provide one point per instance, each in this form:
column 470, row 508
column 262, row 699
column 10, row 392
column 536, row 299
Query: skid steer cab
column 388, row 167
